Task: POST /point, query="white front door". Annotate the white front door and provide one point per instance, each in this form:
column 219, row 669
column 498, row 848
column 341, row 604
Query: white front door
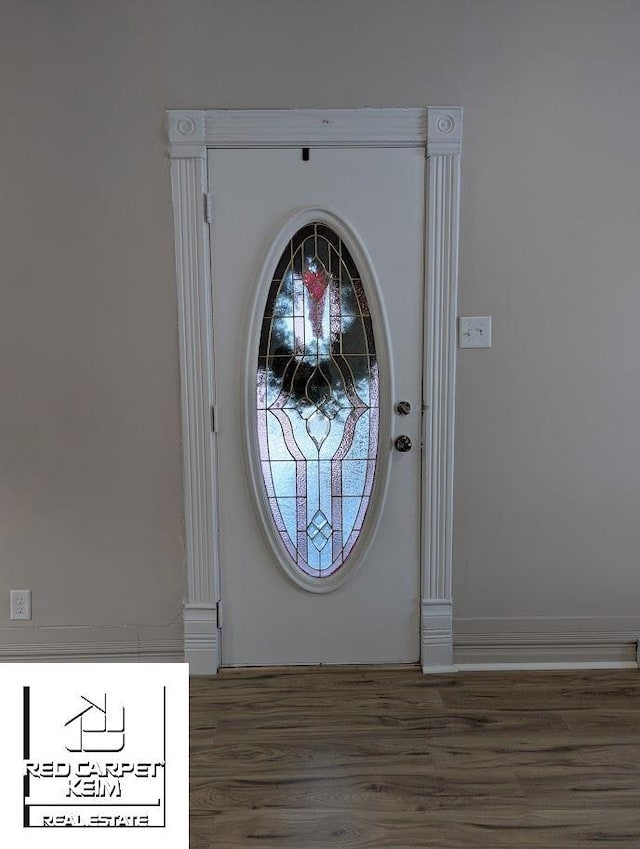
column 300, row 582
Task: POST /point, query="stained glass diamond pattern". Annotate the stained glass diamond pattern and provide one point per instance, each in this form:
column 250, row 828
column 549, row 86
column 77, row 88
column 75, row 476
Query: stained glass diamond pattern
column 329, row 406
column 319, row 530
column 318, row 427
column 318, row 417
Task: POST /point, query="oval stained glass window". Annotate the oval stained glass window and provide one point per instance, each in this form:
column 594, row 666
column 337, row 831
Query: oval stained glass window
column 317, row 401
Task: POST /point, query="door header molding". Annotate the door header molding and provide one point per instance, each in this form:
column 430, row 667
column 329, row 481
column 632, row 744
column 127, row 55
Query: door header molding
column 192, row 131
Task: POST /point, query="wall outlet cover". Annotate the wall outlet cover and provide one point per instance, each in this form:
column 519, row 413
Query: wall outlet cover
column 20, row 604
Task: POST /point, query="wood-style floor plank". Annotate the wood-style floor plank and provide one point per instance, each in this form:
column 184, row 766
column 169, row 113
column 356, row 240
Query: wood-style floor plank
column 384, row 757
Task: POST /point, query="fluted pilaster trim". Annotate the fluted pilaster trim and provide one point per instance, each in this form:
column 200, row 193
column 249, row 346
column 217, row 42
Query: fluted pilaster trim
column 188, row 181
column 443, row 205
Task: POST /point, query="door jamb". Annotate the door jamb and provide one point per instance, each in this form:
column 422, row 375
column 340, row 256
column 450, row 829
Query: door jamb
column 191, row 132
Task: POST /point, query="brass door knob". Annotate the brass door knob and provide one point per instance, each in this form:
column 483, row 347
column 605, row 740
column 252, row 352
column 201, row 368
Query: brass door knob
column 403, row 408
column 403, row 443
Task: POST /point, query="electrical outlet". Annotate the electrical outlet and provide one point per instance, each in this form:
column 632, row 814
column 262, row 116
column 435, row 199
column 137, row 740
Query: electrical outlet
column 21, row 604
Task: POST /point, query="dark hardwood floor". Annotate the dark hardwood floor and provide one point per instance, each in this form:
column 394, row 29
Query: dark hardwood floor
column 386, row 758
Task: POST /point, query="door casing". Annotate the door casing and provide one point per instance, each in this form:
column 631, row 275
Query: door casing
column 438, row 130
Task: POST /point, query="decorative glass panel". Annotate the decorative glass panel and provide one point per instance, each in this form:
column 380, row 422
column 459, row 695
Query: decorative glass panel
column 317, row 392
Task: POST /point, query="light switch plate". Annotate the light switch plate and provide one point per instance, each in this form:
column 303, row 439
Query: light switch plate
column 474, row 331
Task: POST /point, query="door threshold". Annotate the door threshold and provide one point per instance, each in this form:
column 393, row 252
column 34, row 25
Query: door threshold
column 296, row 669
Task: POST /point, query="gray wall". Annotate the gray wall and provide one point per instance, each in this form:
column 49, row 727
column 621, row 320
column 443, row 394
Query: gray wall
column 547, row 458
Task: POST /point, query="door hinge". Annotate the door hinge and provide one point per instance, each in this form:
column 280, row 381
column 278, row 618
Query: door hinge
column 219, row 615
column 208, row 207
column 214, row 422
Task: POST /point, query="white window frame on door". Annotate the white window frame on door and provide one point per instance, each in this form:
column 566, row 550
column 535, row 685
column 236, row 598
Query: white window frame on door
column 191, row 132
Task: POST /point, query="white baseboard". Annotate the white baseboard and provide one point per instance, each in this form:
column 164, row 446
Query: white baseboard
column 86, row 644
column 479, row 644
column 577, row 642
column 201, row 639
column 523, row 667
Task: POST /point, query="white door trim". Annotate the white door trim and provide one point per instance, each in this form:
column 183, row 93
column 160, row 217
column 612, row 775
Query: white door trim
column 191, row 132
